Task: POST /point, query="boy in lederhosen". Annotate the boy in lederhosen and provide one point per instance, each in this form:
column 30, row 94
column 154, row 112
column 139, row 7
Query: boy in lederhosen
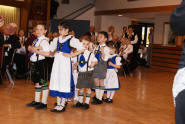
column 37, row 66
column 100, row 70
column 86, row 63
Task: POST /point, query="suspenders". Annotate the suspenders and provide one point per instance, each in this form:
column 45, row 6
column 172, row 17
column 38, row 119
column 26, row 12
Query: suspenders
column 39, row 45
column 86, row 62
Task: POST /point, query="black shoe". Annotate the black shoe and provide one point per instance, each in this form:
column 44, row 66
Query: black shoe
column 78, row 105
column 85, row 106
column 55, row 104
column 33, row 104
column 94, row 98
column 58, row 111
column 104, row 100
column 99, row 101
column 41, row 106
column 109, row 101
column 96, row 102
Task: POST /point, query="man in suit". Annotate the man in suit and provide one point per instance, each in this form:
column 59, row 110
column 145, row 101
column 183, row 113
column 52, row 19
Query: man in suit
column 10, row 41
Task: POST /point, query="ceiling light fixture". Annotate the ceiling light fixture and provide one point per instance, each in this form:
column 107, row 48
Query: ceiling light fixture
column 120, row 15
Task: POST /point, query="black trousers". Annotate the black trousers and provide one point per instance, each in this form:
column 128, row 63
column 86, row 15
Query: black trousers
column 38, row 71
column 180, row 108
column 6, row 61
column 20, row 61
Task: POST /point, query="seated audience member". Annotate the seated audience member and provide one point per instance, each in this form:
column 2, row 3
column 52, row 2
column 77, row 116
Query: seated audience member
column 50, row 37
column 126, row 48
column 55, row 34
column 29, row 42
column 20, row 57
column 117, row 42
column 111, row 31
column 1, row 33
column 124, row 31
column 11, row 42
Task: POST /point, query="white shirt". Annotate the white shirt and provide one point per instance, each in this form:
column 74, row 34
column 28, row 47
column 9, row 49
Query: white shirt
column 91, row 60
column 74, row 42
column 42, row 42
column 127, row 50
column 135, row 39
column 106, row 51
column 118, row 60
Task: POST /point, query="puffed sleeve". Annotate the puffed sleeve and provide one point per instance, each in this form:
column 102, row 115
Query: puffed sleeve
column 53, row 44
column 118, row 61
column 45, row 45
column 75, row 43
column 93, row 58
column 74, row 59
column 107, row 53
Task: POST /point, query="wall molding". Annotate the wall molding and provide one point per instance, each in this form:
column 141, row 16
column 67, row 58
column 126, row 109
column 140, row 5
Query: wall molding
column 168, row 8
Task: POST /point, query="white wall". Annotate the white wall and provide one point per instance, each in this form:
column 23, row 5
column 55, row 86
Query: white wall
column 65, row 9
column 89, row 15
column 117, row 22
column 122, row 4
column 159, row 28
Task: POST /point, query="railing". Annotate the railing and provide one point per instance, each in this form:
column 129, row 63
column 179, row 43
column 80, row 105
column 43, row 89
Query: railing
column 78, row 12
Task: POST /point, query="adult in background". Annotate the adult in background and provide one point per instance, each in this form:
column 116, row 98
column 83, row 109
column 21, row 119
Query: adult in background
column 178, row 26
column 10, row 42
column 149, row 50
column 133, row 38
column 111, row 31
column 117, row 42
column 1, row 30
column 29, row 42
column 124, row 31
column 20, row 56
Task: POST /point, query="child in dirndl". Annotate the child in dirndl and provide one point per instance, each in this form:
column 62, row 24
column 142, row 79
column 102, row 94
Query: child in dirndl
column 86, row 63
column 112, row 81
column 62, row 81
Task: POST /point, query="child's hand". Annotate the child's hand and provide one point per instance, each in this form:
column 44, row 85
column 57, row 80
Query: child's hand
column 110, row 63
column 102, row 49
column 76, row 64
column 29, row 48
column 52, row 53
column 67, row 55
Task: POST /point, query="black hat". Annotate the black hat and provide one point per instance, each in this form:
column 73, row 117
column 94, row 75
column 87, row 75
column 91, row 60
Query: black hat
column 177, row 19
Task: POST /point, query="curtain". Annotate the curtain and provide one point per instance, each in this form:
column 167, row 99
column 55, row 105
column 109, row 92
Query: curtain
column 10, row 14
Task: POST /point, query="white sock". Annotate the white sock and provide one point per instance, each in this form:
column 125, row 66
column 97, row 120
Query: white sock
column 112, row 94
column 87, row 99
column 97, row 90
column 101, row 92
column 76, row 95
column 81, row 95
column 59, row 101
column 108, row 94
column 37, row 94
column 45, row 93
column 63, row 102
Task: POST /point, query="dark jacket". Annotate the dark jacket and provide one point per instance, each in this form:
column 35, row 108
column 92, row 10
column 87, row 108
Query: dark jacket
column 177, row 22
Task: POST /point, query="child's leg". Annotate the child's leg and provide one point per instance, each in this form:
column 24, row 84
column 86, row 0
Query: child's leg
column 59, row 101
column 112, row 94
column 38, row 89
column 97, row 84
column 102, row 87
column 88, row 96
column 45, row 92
column 108, row 94
column 76, row 95
column 81, row 95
